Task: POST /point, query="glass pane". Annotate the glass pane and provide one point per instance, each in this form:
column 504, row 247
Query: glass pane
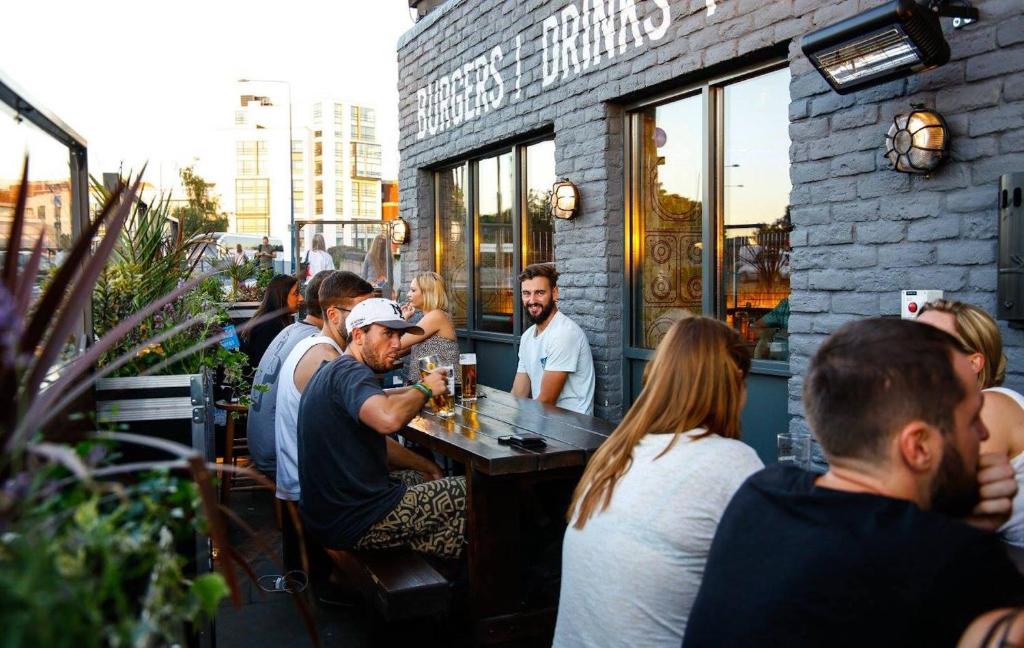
column 48, row 205
column 540, row 227
column 494, row 272
column 668, row 240
column 756, row 250
column 451, row 239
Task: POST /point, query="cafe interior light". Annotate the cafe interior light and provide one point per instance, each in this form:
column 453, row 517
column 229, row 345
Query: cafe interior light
column 399, row 231
column 890, row 41
column 917, row 142
column 565, row 199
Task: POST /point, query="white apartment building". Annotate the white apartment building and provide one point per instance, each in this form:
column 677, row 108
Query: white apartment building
column 335, row 166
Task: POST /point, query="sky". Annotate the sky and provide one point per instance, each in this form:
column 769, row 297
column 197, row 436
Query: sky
column 153, row 81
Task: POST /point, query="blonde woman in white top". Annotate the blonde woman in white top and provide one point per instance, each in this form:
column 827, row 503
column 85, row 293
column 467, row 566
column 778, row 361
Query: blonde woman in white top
column 319, row 258
column 1003, row 409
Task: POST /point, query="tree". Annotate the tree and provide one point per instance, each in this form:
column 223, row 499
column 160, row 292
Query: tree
column 203, row 211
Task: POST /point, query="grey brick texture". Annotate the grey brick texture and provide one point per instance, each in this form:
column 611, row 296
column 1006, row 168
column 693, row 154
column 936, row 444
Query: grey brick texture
column 863, row 231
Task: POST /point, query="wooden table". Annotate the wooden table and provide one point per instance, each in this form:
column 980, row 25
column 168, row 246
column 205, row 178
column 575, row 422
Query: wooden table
column 496, row 474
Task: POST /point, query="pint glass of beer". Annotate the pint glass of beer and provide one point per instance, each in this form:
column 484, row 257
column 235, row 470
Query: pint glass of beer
column 444, row 404
column 427, row 364
column 467, row 367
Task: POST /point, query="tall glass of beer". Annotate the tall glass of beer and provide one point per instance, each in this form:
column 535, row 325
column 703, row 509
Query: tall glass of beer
column 467, row 367
column 427, row 364
column 444, row 404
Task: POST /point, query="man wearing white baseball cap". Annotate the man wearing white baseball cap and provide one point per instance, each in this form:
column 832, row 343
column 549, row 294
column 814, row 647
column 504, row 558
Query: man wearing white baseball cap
column 349, row 499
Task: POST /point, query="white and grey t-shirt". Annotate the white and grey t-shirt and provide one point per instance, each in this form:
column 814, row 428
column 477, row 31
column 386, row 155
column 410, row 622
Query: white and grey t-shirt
column 561, row 346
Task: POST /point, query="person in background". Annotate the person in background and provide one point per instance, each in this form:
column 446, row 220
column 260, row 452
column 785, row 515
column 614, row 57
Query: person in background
column 239, row 257
column 266, row 254
column 555, row 365
column 318, row 258
column 259, row 425
column 375, row 267
column 427, row 294
column 349, row 498
column 650, row 499
column 893, row 546
column 1003, row 411
column 396, row 270
column 281, row 299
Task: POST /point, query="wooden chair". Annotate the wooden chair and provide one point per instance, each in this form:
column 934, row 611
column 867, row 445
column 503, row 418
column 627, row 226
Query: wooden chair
column 235, row 448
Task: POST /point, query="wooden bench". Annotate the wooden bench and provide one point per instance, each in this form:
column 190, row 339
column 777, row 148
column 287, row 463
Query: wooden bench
column 400, row 584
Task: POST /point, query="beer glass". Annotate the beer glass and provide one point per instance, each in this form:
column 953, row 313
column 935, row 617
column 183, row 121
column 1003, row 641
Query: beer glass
column 467, row 367
column 427, row 364
column 444, row 404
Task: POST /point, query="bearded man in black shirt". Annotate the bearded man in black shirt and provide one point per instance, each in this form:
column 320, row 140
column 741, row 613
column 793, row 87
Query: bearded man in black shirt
column 894, row 546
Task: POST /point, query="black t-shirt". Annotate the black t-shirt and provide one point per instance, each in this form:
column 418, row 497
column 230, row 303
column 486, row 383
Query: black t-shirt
column 796, row 565
column 343, row 464
column 260, row 337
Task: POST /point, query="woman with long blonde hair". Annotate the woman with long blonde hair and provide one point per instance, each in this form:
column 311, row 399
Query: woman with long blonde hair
column 427, row 294
column 1003, row 409
column 644, row 513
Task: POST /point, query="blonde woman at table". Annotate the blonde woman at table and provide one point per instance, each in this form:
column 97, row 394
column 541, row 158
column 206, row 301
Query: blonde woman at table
column 1003, row 409
column 644, row 513
column 427, row 294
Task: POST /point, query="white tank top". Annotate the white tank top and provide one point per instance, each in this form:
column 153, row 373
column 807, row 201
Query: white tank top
column 1013, row 530
column 286, row 418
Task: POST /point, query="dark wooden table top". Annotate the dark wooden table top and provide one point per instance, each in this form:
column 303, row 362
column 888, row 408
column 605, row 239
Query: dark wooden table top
column 471, row 436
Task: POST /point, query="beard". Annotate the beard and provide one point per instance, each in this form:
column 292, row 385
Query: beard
column 379, row 363
column 545, row 312
column 955, row 489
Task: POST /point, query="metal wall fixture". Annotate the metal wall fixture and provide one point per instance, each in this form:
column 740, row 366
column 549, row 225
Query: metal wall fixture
column 917, row 142
column 399, row 231
column 565, row 199
column 891, row 41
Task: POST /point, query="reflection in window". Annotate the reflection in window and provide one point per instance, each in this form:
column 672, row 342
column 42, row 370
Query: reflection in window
column 451, row 239
column 755, row 212
column 540, row 227
column 494, row 220
column 669, row 279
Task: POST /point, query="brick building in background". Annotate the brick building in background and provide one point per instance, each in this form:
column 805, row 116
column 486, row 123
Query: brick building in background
column 718, row 172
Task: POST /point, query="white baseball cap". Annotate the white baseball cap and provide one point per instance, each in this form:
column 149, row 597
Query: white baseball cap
column 379, row 311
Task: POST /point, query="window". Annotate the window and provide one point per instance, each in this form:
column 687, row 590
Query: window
column 709, row 184
column 485, row 208
column 299, row 196
column 319, row 207
column 318, row 168
column 319, row 186
column 252, row 197
column 251, row 157
column 239, row 118
column 317, row 113
column 365, row 160
column 339, row 116
column 364, row 124
column 365, row 199
column 339, row 162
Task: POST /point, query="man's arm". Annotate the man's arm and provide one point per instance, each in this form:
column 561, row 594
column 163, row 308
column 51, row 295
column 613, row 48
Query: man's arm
column 521, row 385
column 388, row 413
column 551, row 386
column 403, row 458
column 310, row 362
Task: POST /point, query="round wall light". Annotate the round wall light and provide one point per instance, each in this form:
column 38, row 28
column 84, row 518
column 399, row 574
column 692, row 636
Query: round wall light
column 565, row 199
column 917, row 142
column 399, row 231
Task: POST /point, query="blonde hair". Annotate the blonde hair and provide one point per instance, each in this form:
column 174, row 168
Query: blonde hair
column 695, row 380
column 432, row 286
column 979, row 333
column 318, row 242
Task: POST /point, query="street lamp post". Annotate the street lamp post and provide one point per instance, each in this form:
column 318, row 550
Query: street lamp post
column 291, row 169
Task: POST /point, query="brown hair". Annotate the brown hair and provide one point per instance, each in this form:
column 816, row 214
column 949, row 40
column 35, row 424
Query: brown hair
column 979, row 333
column 872, row 377
column 312, row 293
column 341, row 285
column 546, row 270
column 432, row 286
column 695, row 380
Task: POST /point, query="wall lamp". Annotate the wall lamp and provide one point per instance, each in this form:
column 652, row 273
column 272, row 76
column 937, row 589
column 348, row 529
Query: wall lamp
column 917, row 142
column 565, row 199
column 399, row 231
column 891, row 41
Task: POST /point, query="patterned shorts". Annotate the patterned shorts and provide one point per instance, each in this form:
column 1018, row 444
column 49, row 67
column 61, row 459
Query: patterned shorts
column 430, row 518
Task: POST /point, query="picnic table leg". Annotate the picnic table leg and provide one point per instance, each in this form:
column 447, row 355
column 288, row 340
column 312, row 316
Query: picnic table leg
column 494, row 545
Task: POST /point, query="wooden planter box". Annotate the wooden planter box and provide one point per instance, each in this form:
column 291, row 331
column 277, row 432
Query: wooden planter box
column 241, row 312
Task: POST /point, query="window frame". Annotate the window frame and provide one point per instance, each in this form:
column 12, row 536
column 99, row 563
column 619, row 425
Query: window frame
column 711, row 91
column 472, row 249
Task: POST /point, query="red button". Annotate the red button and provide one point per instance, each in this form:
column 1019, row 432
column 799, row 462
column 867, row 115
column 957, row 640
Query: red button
column 912, row 307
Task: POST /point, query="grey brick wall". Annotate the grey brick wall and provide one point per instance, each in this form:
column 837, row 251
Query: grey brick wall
column 863, row 231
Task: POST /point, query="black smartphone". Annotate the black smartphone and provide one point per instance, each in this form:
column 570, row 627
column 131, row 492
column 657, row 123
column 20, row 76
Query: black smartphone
column 527, row 440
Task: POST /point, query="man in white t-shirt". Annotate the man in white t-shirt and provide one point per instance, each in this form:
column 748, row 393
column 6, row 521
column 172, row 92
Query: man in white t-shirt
column 555, row 365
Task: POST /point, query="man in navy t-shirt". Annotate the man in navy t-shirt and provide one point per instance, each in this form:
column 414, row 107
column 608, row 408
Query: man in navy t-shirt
column 349, row 496
column 894, row 546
